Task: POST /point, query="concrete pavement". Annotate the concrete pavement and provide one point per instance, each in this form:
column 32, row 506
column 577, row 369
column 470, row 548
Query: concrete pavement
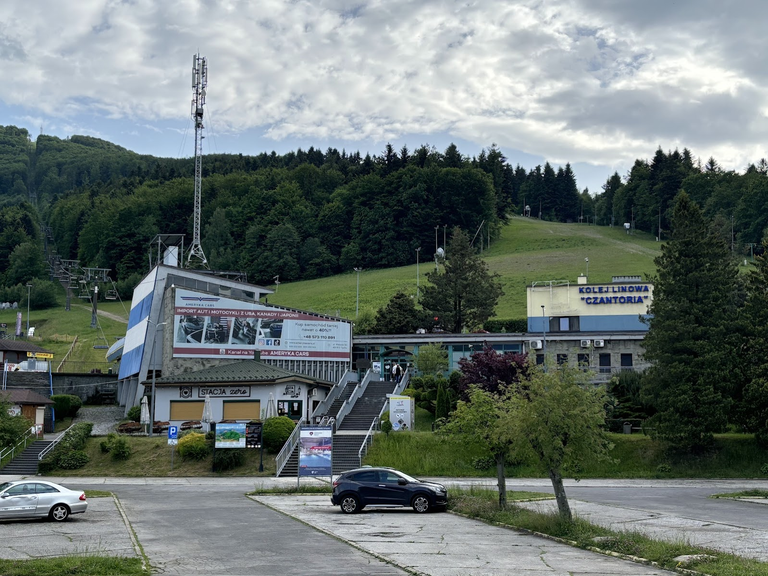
column 432, row 544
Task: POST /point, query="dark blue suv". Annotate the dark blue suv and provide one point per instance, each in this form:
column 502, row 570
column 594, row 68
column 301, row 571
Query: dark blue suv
column 355, row 489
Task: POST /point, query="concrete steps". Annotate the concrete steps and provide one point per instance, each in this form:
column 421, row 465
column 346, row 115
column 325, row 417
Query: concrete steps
column 25, row 464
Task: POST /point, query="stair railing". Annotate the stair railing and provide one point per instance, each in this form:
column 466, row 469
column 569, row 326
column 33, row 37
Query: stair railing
column 12, row 449
column 376, row 424
column 53, row 444
column 285, row 454
column 335, row 392
column 349, row 403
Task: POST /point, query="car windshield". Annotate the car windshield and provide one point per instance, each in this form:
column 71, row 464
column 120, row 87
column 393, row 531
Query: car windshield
column 409, row 478
column 5, row 485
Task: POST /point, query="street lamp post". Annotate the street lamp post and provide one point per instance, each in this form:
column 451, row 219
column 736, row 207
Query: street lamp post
column 357, row 299
column 587, row 261
column 29, row 287
column 94, row 308
column 544, row 332
column 151, row 365
column 417, row 272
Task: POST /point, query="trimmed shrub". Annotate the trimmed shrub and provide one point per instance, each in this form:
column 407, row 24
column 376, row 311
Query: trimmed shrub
column 386, row 426
column 227, row 459
column 106, row 445
column 73, row 460
column 120, row 449
column 134, row 414
column 275, row 432
column 506, row 326
column 66, row 405
column 193, row 446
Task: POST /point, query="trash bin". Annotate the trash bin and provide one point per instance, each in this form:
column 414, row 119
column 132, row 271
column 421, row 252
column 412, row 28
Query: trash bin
column 627, row 427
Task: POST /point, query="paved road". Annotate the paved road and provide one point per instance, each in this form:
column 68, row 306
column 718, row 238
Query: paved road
column 196, row 526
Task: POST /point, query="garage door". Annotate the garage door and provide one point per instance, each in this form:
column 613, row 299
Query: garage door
column 242, row 410
column 183, row 411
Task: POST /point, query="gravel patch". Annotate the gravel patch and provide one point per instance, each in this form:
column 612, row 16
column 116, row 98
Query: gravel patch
column 105, row 418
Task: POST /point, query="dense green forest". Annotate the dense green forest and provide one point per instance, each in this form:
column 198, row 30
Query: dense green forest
column 309, row 214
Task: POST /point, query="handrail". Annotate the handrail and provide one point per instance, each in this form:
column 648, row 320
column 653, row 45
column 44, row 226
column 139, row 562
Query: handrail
column 71, row 347
column 12, row 449
column 349, row 403
column 53, row 444
column 332, row 395
column 285, row 453
column 368, row 440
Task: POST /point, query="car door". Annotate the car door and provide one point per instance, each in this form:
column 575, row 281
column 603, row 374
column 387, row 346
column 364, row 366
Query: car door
column 18, row 501
column 368, row 487
column 394, row 488
column 46, row 497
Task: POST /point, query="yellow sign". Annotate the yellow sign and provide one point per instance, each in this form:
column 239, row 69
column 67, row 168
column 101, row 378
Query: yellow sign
column 39, row 355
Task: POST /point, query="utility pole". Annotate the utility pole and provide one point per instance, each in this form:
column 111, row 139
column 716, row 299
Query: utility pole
column 199, row 84
column 94, row 311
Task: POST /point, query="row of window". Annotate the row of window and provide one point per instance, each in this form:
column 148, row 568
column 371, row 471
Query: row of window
column 234, row 409
column 604, row 360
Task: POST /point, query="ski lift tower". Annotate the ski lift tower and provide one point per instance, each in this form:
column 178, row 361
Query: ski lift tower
column 196, row 256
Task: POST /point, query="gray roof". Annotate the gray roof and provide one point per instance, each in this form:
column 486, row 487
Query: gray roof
column 21, row 396
column 240, row 371
column 20, row 346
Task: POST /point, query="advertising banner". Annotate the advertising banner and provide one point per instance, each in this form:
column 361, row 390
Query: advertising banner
column 215, row 327
column 315, row 451
column 230, row 436
column 401, row 412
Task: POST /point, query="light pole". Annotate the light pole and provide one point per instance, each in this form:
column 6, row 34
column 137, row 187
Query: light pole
column 357, row 300
column 445, row 251
column 436, row 229
column 417, row 272
column 544, row 331
column 587, row 261
column 151, row 363
column 29, row 287
column 94, row 310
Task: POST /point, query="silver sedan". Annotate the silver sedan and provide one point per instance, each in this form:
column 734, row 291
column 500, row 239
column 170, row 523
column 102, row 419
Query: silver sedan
column 39, row 499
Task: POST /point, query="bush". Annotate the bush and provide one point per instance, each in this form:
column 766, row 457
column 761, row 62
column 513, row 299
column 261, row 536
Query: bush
column 73, row 441
column 508, row 325
column 663, row 469
column 386, row 426
column 483, row 463
column 73, row 460
column 227, row 459
column 134, row 414
column 66, row 405
column 106, row 445
column 193, row 446
column 275, row 432
column 764, row 470
column 120, row 449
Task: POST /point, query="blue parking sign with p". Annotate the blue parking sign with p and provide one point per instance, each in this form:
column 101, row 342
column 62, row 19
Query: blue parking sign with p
column 173, row 434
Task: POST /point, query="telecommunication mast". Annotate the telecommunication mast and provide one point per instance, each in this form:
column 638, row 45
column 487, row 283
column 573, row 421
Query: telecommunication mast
column 199, row 84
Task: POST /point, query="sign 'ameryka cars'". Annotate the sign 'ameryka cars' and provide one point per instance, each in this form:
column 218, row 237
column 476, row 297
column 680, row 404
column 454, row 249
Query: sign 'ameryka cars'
column 208, row 326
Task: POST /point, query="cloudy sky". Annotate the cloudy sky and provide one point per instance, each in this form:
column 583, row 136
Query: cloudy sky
column 597, row 83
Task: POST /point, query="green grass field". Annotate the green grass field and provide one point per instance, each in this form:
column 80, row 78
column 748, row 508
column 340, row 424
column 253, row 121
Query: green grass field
column 527, row 251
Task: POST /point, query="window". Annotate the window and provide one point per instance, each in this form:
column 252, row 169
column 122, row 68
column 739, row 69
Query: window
column 564, row 324
column 626, row 361
column 369, row 476
column 605, row 363
column 583, row 361
column 44, row 489
column 562, row 359
column 242, row 410
column 186, row 410
column 539, row 359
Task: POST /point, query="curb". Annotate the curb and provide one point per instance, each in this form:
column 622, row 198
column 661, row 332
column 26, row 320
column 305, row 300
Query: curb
column 619, row 555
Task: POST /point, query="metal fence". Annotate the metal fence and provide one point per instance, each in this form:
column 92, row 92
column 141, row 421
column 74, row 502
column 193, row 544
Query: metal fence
column 80, row 367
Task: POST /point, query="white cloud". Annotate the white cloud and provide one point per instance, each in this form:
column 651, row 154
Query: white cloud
column 570, row 80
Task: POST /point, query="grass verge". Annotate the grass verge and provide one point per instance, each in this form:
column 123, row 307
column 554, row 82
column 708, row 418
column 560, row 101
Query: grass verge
column 743, row 494
column 74, row 566
column 482, row 505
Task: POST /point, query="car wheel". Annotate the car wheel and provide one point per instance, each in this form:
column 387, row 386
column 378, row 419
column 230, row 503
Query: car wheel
column 350, row 504
column 59, row 513
column 420, row 503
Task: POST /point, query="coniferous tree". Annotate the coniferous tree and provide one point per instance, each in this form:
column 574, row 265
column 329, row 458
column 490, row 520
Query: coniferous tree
column 465, row 294
column 690, row 325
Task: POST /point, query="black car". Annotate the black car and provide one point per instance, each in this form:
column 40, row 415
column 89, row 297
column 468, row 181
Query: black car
column 355, row 489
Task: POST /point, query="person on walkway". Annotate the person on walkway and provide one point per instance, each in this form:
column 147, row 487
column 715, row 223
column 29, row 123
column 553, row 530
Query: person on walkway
column 397, row 370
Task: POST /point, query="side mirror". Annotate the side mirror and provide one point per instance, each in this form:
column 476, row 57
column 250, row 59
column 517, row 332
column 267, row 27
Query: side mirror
column 402, row 481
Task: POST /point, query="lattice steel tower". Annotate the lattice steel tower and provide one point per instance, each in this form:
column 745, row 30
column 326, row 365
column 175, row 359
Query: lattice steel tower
column 199, row 84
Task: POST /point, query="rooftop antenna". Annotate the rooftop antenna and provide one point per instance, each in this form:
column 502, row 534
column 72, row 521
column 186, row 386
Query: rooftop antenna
column 199, row 84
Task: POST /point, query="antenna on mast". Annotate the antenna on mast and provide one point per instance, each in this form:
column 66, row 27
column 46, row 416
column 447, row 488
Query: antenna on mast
column 199, row 84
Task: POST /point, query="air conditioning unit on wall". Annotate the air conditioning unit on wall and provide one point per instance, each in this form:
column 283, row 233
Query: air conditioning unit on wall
column 599, row 343
column 535, row 345
column 586, row 343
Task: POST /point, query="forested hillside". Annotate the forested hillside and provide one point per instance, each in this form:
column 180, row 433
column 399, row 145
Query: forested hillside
column 310, row 214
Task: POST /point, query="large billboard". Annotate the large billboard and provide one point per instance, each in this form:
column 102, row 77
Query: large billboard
column 206, row 326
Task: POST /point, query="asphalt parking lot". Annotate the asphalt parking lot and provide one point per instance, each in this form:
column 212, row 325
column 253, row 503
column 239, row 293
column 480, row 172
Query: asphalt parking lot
column 101, row 530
